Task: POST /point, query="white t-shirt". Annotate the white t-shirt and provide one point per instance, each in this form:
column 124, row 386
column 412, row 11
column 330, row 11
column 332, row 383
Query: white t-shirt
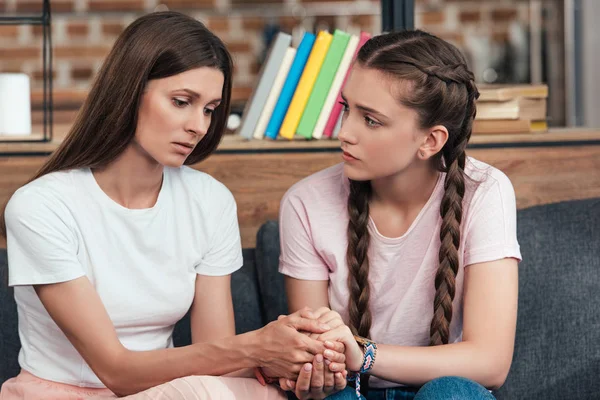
column 143, row 263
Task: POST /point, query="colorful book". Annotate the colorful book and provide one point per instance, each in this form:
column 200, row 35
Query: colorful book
column 305, row 86
column 289, row 87
column 337, row 107
column 265, row 116
column 323, row 83
column 336, row 86
column 267, row 75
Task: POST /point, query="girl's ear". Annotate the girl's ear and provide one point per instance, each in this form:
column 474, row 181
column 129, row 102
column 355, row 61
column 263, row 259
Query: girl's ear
column 433, row 142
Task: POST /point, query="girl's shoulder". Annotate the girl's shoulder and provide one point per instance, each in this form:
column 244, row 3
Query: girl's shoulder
column 482, row 176
column 329, row 185
column 486, row 185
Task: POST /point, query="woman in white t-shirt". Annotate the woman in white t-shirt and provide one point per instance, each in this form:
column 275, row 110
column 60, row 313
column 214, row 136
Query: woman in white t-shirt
column 113, row 240
column 411, row 243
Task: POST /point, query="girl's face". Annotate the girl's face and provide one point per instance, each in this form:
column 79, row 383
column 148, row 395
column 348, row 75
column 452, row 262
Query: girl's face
column 175, row 114
column 380, row 137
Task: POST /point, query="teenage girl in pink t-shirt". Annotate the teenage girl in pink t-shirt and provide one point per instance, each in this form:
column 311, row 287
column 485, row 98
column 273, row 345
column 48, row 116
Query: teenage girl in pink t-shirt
column 408, row 243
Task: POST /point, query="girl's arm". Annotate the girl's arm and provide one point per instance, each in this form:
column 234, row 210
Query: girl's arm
column 304, row 293
column 77, row 309
column 484, row 355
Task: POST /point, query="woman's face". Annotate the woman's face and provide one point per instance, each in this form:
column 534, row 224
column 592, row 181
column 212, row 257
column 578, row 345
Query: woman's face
column 175, row 114
column 380, row 137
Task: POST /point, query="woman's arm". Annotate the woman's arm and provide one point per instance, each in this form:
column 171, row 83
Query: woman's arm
column 77, row 309
column 489, row 324
column 211, row 315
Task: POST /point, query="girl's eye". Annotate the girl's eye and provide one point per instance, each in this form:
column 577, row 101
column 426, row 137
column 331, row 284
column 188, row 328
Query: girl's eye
column 345, row 105
column 209, row 111
column 371, row 123
column 180, row 103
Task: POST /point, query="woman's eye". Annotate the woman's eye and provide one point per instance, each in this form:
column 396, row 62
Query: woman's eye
column 209, row 111
column 180, row 103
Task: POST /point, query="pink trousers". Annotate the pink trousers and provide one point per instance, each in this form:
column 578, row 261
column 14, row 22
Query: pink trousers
column 29, row 387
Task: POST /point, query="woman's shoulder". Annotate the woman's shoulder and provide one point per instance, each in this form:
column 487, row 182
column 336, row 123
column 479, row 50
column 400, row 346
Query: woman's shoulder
column 59, row 184
column 49, row 193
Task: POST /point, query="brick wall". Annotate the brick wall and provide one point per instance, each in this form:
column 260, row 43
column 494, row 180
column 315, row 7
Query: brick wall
column 84, row 30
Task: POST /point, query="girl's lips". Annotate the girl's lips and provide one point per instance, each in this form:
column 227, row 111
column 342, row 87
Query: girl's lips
column 348, row 157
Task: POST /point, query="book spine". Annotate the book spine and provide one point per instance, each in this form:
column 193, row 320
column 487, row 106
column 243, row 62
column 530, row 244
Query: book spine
column 337, row 107
column 336, row 86
column 257, row 101
column 261, row 125
column 307, row 81
column 289, row 87
column 323, row 83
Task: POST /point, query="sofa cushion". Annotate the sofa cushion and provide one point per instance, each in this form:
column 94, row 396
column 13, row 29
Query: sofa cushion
column 270, row 281
column 557, row 349
column 9, row 333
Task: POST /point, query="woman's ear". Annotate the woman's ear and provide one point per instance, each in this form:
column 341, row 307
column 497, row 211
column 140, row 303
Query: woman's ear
column 433, row 142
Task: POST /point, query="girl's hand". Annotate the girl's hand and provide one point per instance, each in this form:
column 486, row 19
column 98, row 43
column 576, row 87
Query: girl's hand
column 315, row 381
column 354, row 353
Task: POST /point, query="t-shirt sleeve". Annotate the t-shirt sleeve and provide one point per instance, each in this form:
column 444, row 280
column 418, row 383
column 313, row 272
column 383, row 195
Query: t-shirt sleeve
column 492, row 226
column 298, row 259
column 41, row 240
column 224, row 255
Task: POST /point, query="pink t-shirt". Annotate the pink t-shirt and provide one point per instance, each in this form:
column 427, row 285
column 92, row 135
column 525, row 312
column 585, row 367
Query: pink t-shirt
column 313, row 224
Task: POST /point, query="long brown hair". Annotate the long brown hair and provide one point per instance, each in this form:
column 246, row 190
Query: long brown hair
column 442, row 92
column 154, row 46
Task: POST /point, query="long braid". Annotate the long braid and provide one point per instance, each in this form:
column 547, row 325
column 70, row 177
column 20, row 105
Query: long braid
column 358, row 260
column 438, row 77
column 451, row 210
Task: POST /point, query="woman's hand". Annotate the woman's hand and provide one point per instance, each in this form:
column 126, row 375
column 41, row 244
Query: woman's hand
column 281, row 349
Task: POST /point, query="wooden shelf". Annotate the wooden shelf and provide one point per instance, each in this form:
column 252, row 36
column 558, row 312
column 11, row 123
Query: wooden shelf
column 237, row 144
column 544, row 168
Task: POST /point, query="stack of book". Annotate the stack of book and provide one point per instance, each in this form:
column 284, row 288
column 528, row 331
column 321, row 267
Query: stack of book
column 298, row 92
column 298, row 89
column 511, row 109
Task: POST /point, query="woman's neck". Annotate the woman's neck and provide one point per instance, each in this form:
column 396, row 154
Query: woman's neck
column 133, row 180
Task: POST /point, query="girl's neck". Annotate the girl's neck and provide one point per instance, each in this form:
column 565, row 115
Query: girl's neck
column 407, row 189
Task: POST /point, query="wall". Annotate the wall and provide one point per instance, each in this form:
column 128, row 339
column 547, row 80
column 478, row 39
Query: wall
column 84, row 30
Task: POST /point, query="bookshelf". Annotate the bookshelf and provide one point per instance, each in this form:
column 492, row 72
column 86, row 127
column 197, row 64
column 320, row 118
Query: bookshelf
column 44, row 19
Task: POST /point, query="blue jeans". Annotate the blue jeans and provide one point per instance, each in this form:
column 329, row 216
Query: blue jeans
column 445, row 388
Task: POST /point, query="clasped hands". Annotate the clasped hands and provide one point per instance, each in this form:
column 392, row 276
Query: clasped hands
column 310, row 352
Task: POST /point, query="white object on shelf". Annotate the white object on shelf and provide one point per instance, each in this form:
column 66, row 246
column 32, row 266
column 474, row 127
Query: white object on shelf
column 15, row 104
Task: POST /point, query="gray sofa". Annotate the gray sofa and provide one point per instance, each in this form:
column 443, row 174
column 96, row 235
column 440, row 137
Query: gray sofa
column 557, row 353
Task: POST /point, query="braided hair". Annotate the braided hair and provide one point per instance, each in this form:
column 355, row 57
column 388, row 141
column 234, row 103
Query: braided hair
column 443, row 92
